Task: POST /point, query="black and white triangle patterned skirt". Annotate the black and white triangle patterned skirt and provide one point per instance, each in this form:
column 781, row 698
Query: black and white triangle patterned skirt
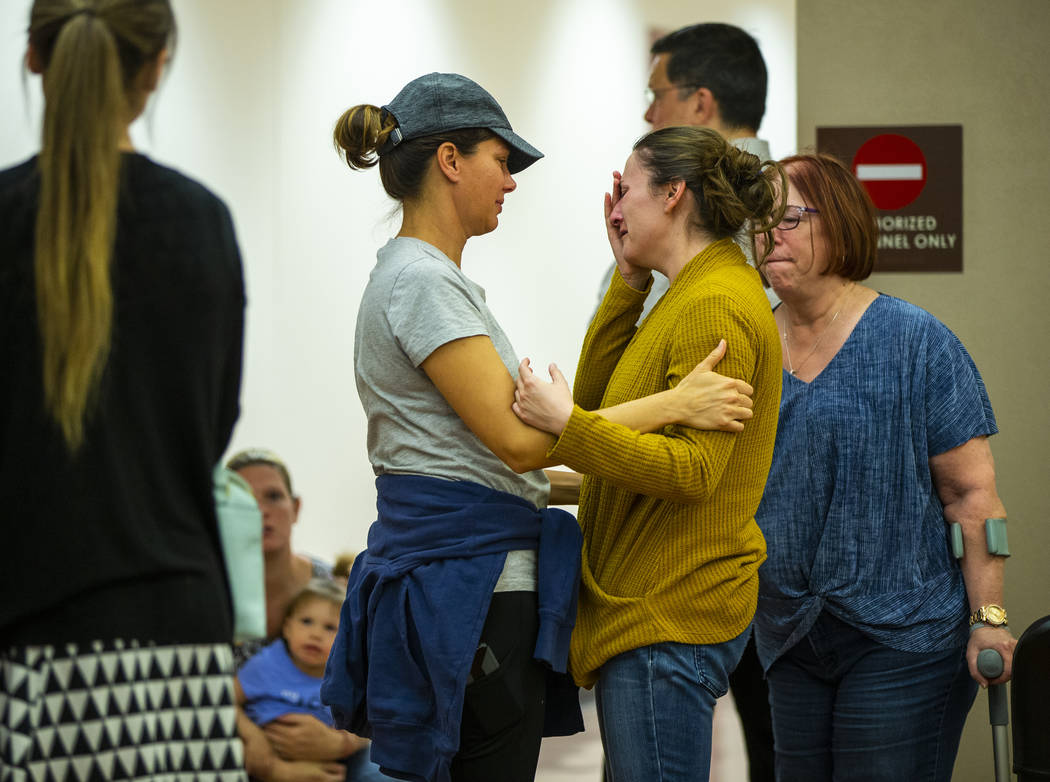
column 118, row 710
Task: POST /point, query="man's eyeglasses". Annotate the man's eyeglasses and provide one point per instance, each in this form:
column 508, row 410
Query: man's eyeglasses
column 793, row 215
column 651, row 94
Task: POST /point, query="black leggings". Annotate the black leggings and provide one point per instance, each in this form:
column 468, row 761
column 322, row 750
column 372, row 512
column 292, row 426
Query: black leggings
column 503, row 707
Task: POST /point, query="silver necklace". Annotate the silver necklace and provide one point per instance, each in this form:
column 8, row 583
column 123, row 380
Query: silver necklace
column 843, row 297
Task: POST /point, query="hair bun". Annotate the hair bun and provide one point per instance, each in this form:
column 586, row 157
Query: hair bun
column 360, row 132
column 731, row 186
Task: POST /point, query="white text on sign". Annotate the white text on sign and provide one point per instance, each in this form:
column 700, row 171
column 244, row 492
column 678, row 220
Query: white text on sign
column 921, row 236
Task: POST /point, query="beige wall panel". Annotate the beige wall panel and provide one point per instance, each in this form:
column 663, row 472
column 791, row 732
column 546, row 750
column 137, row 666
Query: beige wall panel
column 985, row 67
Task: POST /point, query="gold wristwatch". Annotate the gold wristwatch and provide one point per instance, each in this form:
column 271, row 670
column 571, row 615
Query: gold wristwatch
column 992, row 615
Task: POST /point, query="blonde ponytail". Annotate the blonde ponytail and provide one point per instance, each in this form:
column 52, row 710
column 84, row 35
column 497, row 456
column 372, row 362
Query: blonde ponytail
column 89, row 64
column 76, row 219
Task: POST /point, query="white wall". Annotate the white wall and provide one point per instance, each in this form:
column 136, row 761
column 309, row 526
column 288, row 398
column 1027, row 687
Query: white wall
column 248, row 108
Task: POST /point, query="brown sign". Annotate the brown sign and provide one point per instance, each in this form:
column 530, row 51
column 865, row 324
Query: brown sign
column 914, row 176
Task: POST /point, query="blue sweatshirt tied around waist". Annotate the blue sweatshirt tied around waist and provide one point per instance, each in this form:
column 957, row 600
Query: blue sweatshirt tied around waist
column 416, row 604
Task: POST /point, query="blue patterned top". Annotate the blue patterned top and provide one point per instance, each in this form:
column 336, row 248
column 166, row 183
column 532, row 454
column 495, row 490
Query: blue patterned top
column 853, row 523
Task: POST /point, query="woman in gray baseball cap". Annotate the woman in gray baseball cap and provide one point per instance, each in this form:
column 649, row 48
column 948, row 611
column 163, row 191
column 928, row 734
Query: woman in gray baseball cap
column 458, row 614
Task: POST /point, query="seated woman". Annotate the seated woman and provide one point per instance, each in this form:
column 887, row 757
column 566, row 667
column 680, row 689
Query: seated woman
column 286, row 573
column 292, row 743
column 671, row 549
column 464, row 599
column 883, row 442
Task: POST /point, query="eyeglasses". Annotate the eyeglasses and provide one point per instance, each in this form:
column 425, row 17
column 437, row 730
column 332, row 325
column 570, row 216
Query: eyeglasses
column 651, row 94
column 791, row 218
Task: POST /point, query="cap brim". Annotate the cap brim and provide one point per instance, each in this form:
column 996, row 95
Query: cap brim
column 522, row 153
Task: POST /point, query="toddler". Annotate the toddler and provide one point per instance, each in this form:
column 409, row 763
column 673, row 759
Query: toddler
column 285, row 677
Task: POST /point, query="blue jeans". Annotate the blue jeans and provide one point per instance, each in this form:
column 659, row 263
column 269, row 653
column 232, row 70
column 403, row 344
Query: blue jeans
column 846, row 707
column 655, row 705
column 359, row 768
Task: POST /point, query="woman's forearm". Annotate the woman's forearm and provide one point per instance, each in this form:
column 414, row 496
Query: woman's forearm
column 607, row 336
column 682, row 465
column 964, row 478
column 648, row 414
column 679, row 463
column 703, row 399
column 474, row 381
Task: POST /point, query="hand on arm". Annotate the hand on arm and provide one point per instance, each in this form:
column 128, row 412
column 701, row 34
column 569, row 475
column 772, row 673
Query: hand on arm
column 474, row 381
column 677, row 463
column 261, row 761
column 702, row 400
column 545, row 406
column 304, row 737
column 965, row 481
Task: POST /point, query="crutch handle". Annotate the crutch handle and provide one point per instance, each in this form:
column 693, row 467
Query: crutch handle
column 990, row 664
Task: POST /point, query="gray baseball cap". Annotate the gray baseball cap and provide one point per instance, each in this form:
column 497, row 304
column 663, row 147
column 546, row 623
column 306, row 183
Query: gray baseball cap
column 439, row 102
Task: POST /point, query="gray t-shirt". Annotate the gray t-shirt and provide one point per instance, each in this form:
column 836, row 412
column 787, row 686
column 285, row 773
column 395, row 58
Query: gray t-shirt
column 417, row 300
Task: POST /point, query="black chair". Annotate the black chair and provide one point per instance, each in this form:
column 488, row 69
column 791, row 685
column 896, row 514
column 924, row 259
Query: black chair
column 1030, row 701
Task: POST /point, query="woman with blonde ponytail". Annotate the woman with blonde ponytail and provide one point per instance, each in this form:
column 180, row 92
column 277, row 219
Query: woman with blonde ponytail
column 121, row 319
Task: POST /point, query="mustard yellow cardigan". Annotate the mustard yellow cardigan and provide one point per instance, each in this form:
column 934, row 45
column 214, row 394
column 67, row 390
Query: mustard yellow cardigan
column 671, row 549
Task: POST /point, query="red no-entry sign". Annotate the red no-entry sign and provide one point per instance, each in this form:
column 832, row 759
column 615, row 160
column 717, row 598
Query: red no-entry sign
column 892, row 168
column 913, row 174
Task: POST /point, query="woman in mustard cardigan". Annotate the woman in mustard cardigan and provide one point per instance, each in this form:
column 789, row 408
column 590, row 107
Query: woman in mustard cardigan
column 671, row 548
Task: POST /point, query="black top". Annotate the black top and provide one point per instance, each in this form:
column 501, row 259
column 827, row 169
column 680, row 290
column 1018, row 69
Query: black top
column 120, row 540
